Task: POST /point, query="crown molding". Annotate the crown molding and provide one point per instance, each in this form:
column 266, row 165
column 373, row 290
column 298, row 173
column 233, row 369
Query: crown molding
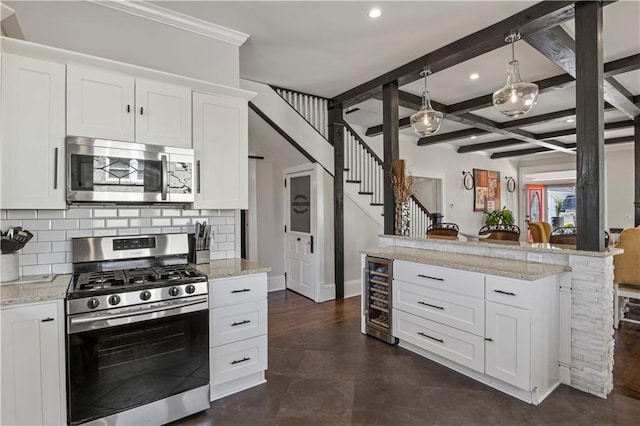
column 175, row 19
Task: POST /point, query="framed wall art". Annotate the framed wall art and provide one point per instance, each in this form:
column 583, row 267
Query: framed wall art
column 487, row 190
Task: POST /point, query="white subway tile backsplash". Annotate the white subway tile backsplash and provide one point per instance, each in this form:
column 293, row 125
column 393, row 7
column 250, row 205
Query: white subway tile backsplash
column 227, row 229
column 82, row 233
column 37, row 225
column 51, row 236
column 129, row 231
column 190, row 213
column 161, row 222
column 36, row 248
column 188, row 229
column 171, row 230
column 220, row 238
column 69, row 257
column 227, row 213
column 105, row 232
column 181, row 221
column 117, row 223
column 61, row 246
column 91, row 223
column 231, row 220
column 28, row 259
column 22, row 214
column 65, row 224
column 150, row 231
column 79, row 213
column 209, row 212
column 230, row 254
column 3, row 214
column 226, row 246
column 140, row 223
column 8, row 223
column 215, row 255
column 49, row 258
column 171, row 212
column 36, row 270
column 105, row 213
column 150, row 213
column 128, row 212
column 218, row 221
column 51, row 214
column 62, row 268
column 231, row 237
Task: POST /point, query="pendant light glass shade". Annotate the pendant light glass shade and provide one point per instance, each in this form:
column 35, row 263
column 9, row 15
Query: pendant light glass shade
column 427, row 121
column 516, row 98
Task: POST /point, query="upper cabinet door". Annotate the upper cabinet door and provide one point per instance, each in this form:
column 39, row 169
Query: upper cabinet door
column 33, row 132
column 100, row 104
column 163, row 114
column 220, row 141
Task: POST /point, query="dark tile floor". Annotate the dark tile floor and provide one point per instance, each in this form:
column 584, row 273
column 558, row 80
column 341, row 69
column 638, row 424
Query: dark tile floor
column 333, row 375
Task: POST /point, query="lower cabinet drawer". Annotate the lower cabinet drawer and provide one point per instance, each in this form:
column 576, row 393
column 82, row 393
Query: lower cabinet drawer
column 235, row 360
column 231, row 291
column 455, row 310
column 237, row 322
column 458, row 346
column 509, row 291
column 452, row 280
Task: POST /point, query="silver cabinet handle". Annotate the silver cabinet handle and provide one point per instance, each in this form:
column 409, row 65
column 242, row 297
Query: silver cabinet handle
column 198, row 176
column 430, row 305
column 430, row 277
column 55, row 169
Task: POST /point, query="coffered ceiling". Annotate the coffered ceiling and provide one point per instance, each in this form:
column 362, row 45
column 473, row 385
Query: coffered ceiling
column 325, row 48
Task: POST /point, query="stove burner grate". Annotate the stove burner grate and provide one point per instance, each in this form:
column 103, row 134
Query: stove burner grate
column 104, row 279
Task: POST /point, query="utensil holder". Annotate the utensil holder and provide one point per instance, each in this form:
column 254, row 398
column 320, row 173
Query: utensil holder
column 9, row 267
column 197, row 256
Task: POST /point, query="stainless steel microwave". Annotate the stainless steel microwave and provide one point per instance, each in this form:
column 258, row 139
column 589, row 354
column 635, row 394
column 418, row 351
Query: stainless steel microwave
column 100, row 170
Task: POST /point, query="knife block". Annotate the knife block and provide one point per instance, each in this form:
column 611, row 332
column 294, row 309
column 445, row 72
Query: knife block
column 197, row 256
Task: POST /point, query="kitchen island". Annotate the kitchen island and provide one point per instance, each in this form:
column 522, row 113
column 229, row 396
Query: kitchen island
column 583, row 288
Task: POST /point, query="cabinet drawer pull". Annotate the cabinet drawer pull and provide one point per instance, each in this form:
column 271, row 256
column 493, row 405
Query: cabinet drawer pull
column 431, row 278
column 508, row 293
column 141, row 110
column 239, row 361
column 47, row 320
column 240, row 323
column 198, row 175
column 430, row 305
column 429, row 337
column 488, row 339
column 241, row 291
column 128, row 109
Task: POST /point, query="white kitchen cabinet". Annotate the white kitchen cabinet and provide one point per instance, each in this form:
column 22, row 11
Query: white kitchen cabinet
column 33, row 132
column 501, row 331
column 33, row 379
column 220, row 141
column 108, row 105
column 508, row 344
column 237, row 333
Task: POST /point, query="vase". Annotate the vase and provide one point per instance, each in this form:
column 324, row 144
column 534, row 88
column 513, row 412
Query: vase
column 402, row 219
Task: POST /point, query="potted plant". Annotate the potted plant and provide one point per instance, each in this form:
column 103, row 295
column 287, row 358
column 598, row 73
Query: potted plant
column 500, row 224
column 556, row 221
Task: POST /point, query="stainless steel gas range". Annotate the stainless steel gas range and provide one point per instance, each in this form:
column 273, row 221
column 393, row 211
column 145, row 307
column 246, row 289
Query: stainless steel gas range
column 137, row 332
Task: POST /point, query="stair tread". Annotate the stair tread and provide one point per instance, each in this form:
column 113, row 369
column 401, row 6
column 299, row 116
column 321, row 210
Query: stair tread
column 353, row 181
column 376, row 204
column 365, row 193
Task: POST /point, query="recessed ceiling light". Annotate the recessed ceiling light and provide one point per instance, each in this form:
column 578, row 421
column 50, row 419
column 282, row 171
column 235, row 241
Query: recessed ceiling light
column 570, row 120
column 474, row 76
column 375, row 13
column 473, row 137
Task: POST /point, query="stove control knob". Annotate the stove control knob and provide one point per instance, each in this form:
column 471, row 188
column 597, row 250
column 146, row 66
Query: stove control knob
column 114, row 300
column 93, row 303
column 174, row 291
column 145, row 295
column 190, row 288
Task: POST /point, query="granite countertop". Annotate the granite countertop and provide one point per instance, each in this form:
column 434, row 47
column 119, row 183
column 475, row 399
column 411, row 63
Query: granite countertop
column 28, row 290
column 513, row 245
column 529, row 271
column 224, row 268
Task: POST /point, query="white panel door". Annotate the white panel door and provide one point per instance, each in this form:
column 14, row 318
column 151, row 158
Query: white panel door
column 508, row 344
column 33, row 132
column 100, row 104
column 31, row 376
column 163, row 114
column 301, row 264
column 220, row 142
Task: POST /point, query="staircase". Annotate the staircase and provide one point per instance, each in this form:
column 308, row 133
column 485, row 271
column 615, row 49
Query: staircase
column 363, row 172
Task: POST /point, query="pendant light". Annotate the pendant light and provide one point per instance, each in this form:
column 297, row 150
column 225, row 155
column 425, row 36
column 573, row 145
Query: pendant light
column 427, row 121
column 516, row 98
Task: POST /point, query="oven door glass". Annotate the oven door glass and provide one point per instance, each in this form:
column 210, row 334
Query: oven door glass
column 115, row 369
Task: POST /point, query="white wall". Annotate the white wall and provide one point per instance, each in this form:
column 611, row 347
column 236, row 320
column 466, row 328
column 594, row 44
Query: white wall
column 426, row 191
column 619, row 188
column 96, row 30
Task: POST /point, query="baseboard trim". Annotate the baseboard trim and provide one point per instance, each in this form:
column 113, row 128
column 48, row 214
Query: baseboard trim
column 352, row 288
column 276, row 283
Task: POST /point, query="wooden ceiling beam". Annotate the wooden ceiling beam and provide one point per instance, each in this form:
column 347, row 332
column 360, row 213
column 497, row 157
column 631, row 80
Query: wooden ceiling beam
column 520, row 152
column 620, row 66
column 444, row 137
column 568, row 132
column 543, row 15
column 559, row 47
column 488, row 145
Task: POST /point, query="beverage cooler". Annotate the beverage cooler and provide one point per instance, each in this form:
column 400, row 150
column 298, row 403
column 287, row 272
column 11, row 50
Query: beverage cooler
column 378, row 276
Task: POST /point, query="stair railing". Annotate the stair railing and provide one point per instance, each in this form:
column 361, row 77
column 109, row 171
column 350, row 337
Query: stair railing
column 314, row 109
column 420, row 217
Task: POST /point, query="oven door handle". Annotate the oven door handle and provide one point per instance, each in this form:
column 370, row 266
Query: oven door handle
column 131, row 315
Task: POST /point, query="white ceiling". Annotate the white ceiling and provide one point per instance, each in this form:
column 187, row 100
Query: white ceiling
column 327, row 47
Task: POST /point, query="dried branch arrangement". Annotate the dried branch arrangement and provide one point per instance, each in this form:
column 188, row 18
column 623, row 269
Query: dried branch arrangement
column 401, row 182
